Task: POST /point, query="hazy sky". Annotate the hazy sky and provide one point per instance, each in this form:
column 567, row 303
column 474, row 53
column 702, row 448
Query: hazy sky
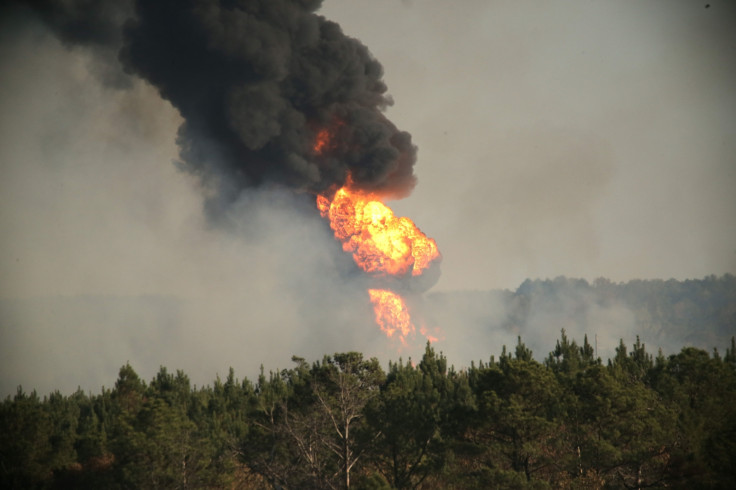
column 584, row 139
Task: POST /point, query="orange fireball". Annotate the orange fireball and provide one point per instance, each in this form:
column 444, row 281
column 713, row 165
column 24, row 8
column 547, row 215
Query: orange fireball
column 381, row 243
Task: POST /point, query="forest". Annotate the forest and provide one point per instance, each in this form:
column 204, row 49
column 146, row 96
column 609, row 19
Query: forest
column 571, row 420
column 663, row 313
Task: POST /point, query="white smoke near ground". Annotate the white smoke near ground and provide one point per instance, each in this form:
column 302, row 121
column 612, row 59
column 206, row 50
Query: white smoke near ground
column 471, row 324
column 479, row 324
column 579, row 313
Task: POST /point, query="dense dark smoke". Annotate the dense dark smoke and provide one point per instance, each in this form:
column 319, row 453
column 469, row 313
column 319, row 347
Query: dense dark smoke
column 255, row 81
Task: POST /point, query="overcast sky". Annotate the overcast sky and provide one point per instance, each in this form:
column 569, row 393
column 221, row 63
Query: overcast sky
column 583, row 139
column 587, row 139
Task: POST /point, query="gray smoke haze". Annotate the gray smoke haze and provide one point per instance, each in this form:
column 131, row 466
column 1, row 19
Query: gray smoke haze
column 584, row 139
column 108, row 256
column 486, row 321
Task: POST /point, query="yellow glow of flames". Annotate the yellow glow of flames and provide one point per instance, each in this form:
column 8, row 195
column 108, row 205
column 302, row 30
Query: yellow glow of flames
column 392, row 314
column 381, row 243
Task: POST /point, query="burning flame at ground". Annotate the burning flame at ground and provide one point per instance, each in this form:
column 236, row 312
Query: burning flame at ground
column 381, row 244
column 392, row 315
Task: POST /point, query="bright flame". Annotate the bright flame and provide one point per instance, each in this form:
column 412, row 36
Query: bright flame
column 392, row 314
column 381, row 243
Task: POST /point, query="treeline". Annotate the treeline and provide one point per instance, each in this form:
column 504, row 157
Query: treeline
column 667, row 313
column 572, row 421
column 694, row 311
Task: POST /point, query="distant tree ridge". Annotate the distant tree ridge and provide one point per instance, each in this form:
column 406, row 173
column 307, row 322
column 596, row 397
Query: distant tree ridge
column 671, row 313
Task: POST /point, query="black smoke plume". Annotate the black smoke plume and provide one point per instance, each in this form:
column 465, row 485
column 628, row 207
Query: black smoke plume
column 255, row 81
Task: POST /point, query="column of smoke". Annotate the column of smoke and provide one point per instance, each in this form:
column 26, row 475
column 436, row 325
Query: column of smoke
column 255, row 82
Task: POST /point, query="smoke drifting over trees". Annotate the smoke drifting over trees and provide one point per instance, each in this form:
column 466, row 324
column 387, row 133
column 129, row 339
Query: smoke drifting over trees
column 663, row 314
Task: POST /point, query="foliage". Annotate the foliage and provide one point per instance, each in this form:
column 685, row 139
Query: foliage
column 571, row 421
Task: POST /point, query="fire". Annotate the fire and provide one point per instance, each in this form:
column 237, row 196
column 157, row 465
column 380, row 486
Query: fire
column 392, row 314
column 322, row 141
column 381, row 243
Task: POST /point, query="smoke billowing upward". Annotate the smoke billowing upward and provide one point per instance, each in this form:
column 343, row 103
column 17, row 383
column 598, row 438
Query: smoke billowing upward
column 255, row 82
column 271, row 95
